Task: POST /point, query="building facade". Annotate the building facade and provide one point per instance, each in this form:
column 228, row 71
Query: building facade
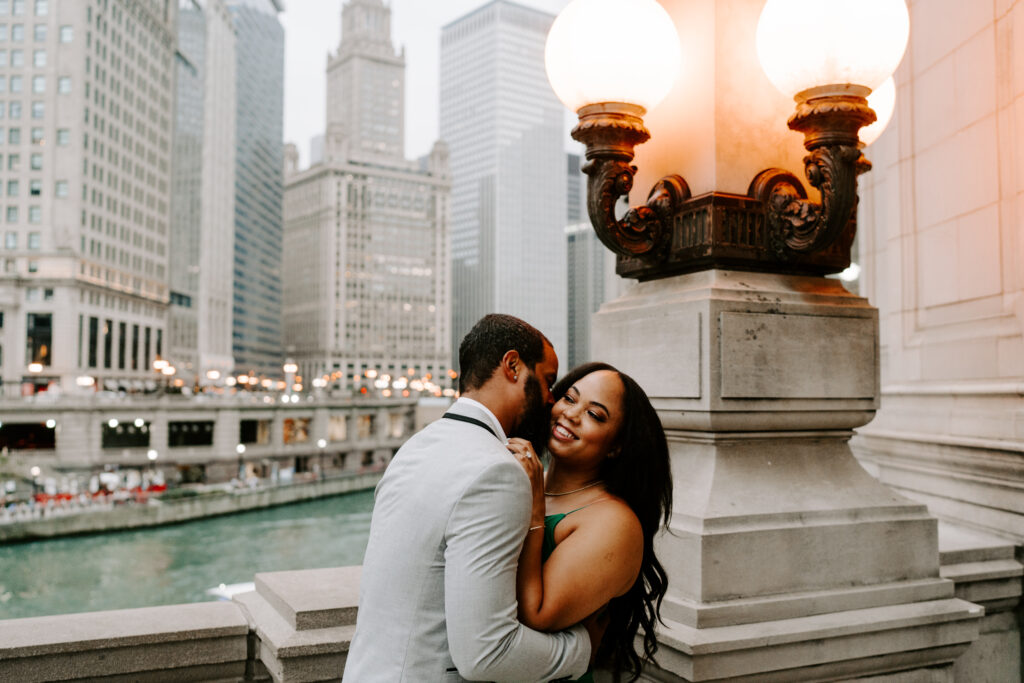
column 203, row 204
column 259, row 186
column 367, row 253
column 88, row 102
column 941, row 224
column 504, row 129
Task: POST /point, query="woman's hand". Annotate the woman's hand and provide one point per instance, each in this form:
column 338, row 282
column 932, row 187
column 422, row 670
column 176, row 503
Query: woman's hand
column 524, row 453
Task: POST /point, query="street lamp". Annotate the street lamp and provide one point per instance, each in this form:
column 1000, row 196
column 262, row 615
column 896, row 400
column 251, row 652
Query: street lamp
column 612, row 61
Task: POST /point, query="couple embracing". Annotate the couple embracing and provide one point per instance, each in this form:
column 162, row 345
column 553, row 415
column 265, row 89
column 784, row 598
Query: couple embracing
column 482, row 567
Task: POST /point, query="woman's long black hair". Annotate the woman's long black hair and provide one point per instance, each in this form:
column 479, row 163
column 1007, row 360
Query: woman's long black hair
column 640, row 474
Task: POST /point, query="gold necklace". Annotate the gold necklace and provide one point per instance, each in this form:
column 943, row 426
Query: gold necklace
column 566, row 493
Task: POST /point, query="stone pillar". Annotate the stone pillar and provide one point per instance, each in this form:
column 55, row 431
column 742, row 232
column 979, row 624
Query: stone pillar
column 786, row 560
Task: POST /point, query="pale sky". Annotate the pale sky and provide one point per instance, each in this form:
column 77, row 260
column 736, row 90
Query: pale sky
column 313, row 28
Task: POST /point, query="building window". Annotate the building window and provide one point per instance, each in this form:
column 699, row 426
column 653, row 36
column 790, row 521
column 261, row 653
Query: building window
column 146, row 347
column 15, row 106
column 189, row 434
column 11, row 240
column 135, row 347
column 66, row 34
column 38, row 110
column 14, row 136
column 33, row 266
column 39, row 84
column 61, row 188
column 63, row 137
column 35, row 187
column 33, row 241
column 37, row 136
column 124, row 435
column 18, row 7
column 42, row 8
column 39, row 58
column 3, row 57
column 3, row 83
column 39, row 337
column 108, row 344
column 36, row 162
column 12, row 188
column 94, row 334
column 122, row 339
column 13, row 162
column 3, row 32
column 12, row 214
column 18, row 33
column 15, row 85
column 39, row 33
column 35, row 214
column 64, row 85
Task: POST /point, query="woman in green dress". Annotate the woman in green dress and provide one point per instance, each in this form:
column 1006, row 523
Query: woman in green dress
column 607, row 491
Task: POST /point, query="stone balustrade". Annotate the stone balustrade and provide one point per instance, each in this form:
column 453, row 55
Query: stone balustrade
column 296, row 626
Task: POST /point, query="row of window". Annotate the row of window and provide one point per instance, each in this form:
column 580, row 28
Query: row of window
column 17, row 7
column 14, row 162
column 35, row 189
column 37, row 136
column 11, row 241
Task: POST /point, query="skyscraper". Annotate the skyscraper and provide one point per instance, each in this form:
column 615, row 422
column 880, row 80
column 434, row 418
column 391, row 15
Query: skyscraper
column 367, row 252
column 504, row 127
column 203, row 204
column 87, row 97
column 259, row 184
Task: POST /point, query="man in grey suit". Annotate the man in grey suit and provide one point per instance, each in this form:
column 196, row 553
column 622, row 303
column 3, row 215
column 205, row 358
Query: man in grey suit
column 438, row 597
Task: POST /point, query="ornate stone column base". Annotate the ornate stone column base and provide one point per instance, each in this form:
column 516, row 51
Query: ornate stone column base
column 787, row 561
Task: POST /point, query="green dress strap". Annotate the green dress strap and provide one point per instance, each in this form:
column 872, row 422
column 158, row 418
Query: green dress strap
column 550, row 522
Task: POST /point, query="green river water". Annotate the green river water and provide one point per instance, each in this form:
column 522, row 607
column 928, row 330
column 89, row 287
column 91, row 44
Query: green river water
column 177, row 564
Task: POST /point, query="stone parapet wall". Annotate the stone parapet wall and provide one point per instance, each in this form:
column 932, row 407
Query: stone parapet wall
column 296, row 626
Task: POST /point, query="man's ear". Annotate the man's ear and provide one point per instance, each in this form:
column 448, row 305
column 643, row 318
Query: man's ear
column 511, row 364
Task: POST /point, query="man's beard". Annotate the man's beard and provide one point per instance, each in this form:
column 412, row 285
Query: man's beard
column 535, row 424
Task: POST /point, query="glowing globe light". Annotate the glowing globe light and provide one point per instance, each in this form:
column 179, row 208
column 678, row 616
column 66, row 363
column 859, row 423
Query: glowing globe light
column 883, row 100
column 804, row 44
column 612, row 51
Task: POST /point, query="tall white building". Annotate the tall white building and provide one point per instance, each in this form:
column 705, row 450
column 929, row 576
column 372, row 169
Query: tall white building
column 203, row 216
column 366, row 249
column 504, row 129
column 86, row 91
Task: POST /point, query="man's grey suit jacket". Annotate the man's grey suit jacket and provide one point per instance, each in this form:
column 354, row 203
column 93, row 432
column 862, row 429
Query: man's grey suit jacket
column 437, row 599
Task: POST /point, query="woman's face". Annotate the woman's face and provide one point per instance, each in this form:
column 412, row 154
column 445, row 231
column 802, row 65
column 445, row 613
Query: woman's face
column 585, row 422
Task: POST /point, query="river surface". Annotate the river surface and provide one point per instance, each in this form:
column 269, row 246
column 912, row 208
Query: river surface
column 177, row 564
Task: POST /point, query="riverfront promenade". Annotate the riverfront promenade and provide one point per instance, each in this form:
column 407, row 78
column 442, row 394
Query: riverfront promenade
column 44, row 522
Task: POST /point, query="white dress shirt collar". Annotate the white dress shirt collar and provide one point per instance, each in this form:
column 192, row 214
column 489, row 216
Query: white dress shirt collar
column 488, row 415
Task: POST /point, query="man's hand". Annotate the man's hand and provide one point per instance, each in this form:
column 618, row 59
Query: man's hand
column 596, row 624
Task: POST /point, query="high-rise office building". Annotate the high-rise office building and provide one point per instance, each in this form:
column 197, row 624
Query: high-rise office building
column 86, row 91
column 590, row 267
column 367, row 248
column 203, row 201
column 504, row 128
column 259, row 185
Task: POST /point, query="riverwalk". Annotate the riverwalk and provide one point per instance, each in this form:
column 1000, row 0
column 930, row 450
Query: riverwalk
column 55, row 521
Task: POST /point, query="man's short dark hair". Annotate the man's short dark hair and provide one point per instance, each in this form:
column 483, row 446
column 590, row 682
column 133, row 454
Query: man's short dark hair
column 493, row 336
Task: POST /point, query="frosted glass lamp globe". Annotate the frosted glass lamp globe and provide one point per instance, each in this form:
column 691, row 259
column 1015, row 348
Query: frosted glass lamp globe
column 804, row 44
column 612, row 51
column 883, row 100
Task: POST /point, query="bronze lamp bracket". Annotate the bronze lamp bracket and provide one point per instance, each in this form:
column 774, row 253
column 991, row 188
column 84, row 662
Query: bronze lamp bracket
column 774, row 228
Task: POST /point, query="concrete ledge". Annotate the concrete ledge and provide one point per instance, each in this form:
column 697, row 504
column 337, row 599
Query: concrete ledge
column 183, row 642
column 292, row 655
column 792, row 605
column 313, row 598
column 824, row 647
